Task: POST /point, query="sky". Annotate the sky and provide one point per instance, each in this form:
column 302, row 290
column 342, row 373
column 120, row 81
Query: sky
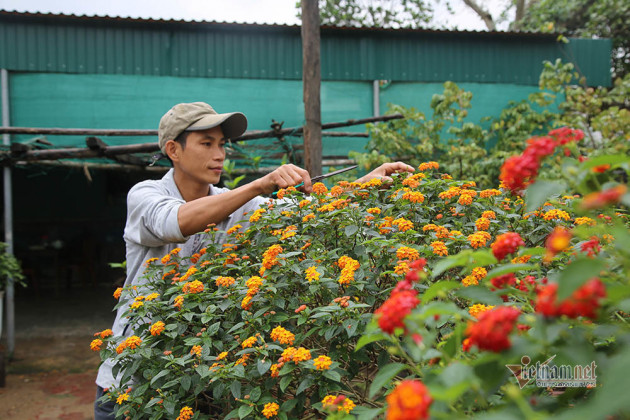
column 240, row 11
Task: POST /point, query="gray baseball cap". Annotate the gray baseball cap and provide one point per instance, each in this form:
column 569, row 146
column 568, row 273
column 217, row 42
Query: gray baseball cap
column 198, row 116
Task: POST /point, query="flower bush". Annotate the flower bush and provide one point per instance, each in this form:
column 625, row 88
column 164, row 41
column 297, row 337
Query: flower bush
column 403, row 301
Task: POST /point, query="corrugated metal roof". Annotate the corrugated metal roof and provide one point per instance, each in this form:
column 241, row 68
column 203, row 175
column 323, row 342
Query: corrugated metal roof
column 114, row 45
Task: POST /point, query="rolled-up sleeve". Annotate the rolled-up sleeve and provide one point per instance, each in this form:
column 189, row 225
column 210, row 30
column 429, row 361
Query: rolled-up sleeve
column 152, row 216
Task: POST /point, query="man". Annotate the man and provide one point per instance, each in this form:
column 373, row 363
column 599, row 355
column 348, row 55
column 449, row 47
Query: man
column 173, row 211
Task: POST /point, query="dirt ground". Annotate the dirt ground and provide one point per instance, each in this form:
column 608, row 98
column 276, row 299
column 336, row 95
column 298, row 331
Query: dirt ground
column 52, row 372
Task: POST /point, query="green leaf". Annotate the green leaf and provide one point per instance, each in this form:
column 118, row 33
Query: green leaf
column 576, row 274
column 263, row 366
column 306, row 382
column 235, row 388
column 603, row 160
column 244, row 411
column 332, row 374
column 351, row 326
column 185, row 382
column 479, row 294
column 254, row 394
column 540, row 191
column 385, row 375
column 436, row 288
column 284, row 382
column 369, row 338
column 365, row 413
column 351, row 230
column 450, row 262
column 509, row 268
column 159, row 375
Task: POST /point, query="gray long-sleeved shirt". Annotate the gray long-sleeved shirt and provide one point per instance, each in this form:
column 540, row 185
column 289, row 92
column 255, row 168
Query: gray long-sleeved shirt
column 152, row 231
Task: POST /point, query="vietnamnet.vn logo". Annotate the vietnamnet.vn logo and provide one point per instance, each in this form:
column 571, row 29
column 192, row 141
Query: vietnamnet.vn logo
column 547, row 375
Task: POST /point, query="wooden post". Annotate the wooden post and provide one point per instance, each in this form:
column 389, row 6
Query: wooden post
column 311, row 78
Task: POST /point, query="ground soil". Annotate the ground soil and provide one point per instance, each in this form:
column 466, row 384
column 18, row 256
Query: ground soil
column 52, row 371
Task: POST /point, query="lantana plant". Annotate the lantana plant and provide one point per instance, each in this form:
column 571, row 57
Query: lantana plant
column 423, row 298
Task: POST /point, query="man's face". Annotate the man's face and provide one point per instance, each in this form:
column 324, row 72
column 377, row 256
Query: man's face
column 202, row 159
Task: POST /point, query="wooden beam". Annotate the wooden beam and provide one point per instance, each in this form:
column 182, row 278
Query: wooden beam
column 311, row 80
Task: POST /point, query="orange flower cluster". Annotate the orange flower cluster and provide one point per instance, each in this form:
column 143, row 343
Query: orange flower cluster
column 604, row 198
column 275, row 368
column 104, row 334
column 482, row 223
column 249, row 342
column 193, row 287
column 413, row 196
column 222, row 355
column 489, row 193
column 196, row 351
column 478, row 309
column 282, row 336
column 411, row 182
column 505, row 244
column 308, row 217
column 322, row 362
column 403, row 224
column 178, row 302
column 288, row 232
column 132, row 343
column 584, row 221
column 450, row 193
column 269, row 256
column 234, row 229
column 557, row 241
column 478, row 273
column 409, row 400
column 319, row 188
column 406, row 253
column 224, row 281
column 335, row 205
column 439, row 248
column 479, row 239
column 270, row 409
column 489, row 214
column 96, row 344
column 556, row 214
column 339, row 403
column 312, row 274
column 348, row 267
column 374, row 210
column 425, row 166
column 242, row 360
column 157, row 328
column 185, row 413
column 117, row 293
column 385, row 225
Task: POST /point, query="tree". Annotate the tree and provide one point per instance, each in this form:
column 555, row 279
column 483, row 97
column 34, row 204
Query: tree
column 375, row 13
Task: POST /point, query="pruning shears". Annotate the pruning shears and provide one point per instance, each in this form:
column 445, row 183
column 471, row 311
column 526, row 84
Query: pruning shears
column 321, row 177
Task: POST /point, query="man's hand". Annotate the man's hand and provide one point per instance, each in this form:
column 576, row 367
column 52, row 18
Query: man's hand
column 385, row 170
column 283, row 177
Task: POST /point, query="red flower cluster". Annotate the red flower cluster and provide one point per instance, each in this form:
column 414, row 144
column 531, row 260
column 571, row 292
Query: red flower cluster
column 501, row 282
column 583, row 302
column 392, row 313
column 409, row 400
column 415, row 268
column 601, row 199
column 591, row 247
column 519, row 171
column 505, row 244
column 491, row 331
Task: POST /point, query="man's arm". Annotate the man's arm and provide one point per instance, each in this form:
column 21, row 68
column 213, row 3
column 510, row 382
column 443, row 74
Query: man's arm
column 385, row 170
column 194, row 216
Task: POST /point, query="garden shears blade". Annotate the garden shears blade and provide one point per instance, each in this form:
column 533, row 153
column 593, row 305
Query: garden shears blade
column 328, row 175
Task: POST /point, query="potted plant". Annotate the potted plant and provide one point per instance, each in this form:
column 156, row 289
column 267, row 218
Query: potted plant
column 9, row 269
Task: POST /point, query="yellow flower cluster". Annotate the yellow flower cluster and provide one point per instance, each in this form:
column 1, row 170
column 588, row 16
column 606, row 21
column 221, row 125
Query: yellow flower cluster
column 224, row 281
column 193, row 287
column 256, row 215
column 450, row 193
column 322, row 362
column 556, row 214
column 374, row 210
column 348, row 267
column 249, row 342
column 439, row 248
column 121, row 398
column 269, row 256
column 222, row 355
column 157, row 328
column 152, row 296
column 521, row 260
column 411, row 182
column 288, row 232
column 270, row 409
column 136, row 304
column 337, row 204
column 178, row 302
column 132, row 342
column 191, row 270
column 282, row 336
column 340, row 404
column 196, row 351
column 308, row 217
column 584, row 221
column 296, row 355
column 478, row 273
column 312, row 274
column 478, row 309
column 185, row 413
